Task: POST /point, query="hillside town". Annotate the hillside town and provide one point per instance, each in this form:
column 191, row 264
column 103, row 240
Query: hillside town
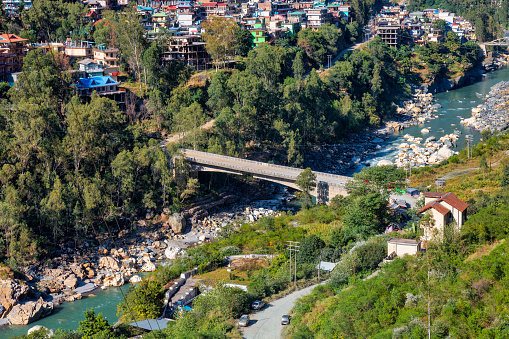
column 239, row 169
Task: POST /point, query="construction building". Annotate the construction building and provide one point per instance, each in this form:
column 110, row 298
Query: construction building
column 190, row 49
column 389, row 33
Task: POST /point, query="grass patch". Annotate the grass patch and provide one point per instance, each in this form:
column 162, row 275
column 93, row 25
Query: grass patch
column 221, row 274
column 484, row 250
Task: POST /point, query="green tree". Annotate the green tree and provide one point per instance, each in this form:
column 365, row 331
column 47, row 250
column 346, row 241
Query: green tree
column 310, row 248
column 377, row 179
column 504, row 181
column 143, row 301
column 93, row 324
column 221, row 36
column 306, row 181
column 366, row 216
column 243, row 42
column 483, row 165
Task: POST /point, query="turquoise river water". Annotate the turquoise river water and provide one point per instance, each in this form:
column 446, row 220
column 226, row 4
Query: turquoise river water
column 455, row 104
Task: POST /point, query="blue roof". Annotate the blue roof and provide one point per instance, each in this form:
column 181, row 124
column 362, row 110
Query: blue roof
column 95, row 82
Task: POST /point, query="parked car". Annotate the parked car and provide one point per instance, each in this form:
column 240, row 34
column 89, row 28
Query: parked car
column 244, row 320
column 258, row 305
column 392, row 228
column 285, row 320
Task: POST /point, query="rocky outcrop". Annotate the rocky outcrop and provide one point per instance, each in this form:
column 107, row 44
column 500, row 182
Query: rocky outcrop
column 23, row 314
column 11, row 292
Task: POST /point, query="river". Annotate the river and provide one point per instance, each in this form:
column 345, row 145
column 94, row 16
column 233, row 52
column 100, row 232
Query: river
column 456, row 104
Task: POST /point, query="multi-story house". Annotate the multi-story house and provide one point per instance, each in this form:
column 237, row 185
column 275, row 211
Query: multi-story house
column 81, row 50
column 12, row 51
column 146, row 14
column 317, row 17
column 259, row 33
column 91, row 68
column 109, row 60
column 104, row 86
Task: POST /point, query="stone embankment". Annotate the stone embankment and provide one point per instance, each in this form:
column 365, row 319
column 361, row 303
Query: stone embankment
column 493, row 114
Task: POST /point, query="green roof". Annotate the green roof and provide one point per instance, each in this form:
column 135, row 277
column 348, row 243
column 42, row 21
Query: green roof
column 160, row 14
column 297, row 13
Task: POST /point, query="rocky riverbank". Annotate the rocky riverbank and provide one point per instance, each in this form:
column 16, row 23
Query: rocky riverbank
column 491, row 115
column 75, row 272
column 357, row 148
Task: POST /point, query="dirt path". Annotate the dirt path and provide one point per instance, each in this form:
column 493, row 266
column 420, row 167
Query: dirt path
column 179, row 136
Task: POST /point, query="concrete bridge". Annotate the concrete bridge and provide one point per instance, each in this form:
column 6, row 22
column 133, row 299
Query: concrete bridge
column 328, row 185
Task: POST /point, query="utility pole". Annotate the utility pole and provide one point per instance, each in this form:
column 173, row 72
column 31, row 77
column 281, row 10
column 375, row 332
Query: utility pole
column 319, row 264
column 470, row 139
column 293, row 246
column 353, row 265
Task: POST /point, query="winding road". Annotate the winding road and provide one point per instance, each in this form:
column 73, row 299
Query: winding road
column 266, row 324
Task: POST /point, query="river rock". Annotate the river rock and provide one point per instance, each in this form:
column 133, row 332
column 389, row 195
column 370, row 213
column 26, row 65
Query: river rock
column 71, row 282
column 148, row 267
column 39, row 327
column 23, row 314
column 11, row 292
column 113, row 280
column 135, row 279
column 172, row 252
column 177, row 222
column 445, row 152
column 109, row 263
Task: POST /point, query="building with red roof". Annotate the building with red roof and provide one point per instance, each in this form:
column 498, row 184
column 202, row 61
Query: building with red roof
column 12, row 51
column 445, row 208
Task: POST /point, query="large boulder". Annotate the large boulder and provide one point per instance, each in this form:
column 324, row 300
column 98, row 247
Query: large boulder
column 71, row 282
column 173, row 252
column 445, row 152
column 23, row 314
column 177, row 222
column 113, row 280
column 148, row 267
column 109, row 263
column 11, row 292
column 135, row 279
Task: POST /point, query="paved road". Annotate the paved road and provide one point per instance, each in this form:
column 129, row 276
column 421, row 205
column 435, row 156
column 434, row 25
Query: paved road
column 266, row 324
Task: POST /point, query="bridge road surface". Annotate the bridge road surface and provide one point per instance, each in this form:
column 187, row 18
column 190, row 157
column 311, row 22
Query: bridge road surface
column 266, row 323
column 256, row 167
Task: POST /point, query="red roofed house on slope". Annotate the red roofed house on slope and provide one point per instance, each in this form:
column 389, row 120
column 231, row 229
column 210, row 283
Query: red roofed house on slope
column 445, row 208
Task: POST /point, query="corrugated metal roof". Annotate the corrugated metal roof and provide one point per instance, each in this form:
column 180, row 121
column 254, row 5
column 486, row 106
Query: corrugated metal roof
column 152, row 324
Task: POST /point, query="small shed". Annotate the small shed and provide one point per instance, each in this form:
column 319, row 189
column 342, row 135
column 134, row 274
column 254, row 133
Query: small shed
column 413, row 191
column 403, row 246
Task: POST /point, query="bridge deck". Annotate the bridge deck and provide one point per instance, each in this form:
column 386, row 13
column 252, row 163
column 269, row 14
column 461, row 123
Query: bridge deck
column 261, row 168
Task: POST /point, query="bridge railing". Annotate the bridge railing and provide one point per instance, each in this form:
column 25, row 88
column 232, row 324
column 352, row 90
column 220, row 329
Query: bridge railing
column 242, row 169
column 285, row 168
